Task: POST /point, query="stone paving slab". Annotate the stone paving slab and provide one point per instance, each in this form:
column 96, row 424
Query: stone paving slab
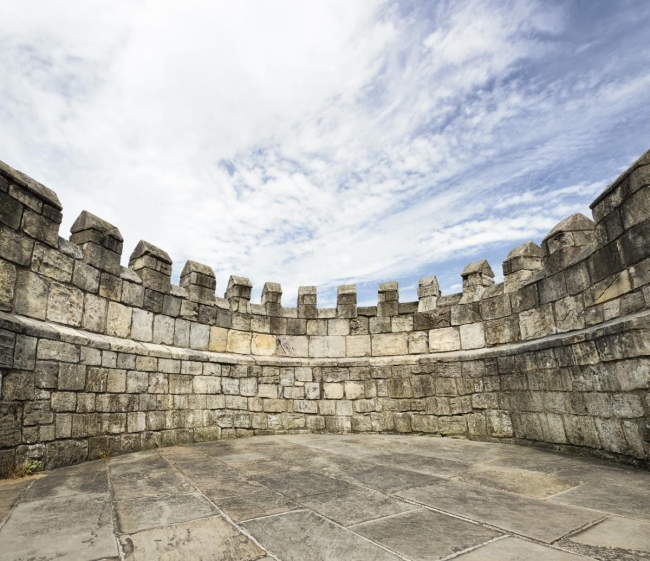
column 522, row 482
column 424, row 535
column 150, row 512
column 633, row 502
column 302, row 535
column 388, row 479
column 526, row 516
column 211, row 539
column 262, row 503
column 297, row 484
column 10, row 493
column 149, row 483
column 614, row 538
column 77, row 528
column 355, row 506
column 424, row 464
column 514, row 549
column 71, row 481
column 331, row 497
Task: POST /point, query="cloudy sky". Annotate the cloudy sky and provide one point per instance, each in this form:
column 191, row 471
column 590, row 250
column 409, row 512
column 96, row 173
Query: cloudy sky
column 326, row 142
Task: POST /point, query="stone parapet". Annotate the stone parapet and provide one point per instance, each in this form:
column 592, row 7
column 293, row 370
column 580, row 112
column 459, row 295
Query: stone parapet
column 587, row 289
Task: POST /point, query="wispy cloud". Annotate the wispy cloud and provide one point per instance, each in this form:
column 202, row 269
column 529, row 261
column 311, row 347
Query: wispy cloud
column 326, row 142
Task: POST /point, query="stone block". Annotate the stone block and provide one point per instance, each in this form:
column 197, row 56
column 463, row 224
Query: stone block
column 338, row 327
column 95, row 314
column 495, row 308
column 380, row 325
column 52, row 263
column 7, row 281
column 118, row 320
column 263, row 344
column 327, row 347
column 24, row 357
column 72, row 377
column 40, row 227
column 472, row 336
column 218, row 339
column 390, row 344
column 137, row 382
column 200, row 336
column 569, row 314
column 31, row 295
column 65, row 304
column 400, row 324
column 538, row 322
column 116, row 381
column 142, row 326
column 239, row 342
column 581, row 431
column 182, row 333
column 357, row 345
column 110, row 286
column 15, row 247
column 444, row 340
column 57, row 350
column 499, row 424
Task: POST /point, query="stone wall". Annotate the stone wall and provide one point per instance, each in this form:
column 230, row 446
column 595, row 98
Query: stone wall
column 96, row 358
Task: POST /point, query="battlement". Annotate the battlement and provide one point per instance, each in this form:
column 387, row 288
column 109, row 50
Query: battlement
column 584, row 273
column 587, row 281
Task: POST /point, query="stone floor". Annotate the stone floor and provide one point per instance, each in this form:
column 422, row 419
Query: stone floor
column 344, row 498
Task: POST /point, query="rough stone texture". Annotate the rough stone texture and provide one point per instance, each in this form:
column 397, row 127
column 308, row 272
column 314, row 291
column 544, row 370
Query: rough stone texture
column 558, row 354
column 293, row 498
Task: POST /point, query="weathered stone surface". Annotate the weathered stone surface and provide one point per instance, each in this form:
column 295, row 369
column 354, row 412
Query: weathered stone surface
column 118, row 320
column 332, row 346
column 239, row 342
column 65, row 304
column 37, row 530
column 534, row 518
column 445, row 339
column 472, row 336
column 142, row 326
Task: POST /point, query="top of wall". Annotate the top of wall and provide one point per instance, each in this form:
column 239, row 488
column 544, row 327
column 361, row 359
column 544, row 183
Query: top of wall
column 584, row 273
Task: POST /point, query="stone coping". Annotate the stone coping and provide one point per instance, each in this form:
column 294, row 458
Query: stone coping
column 45, row 330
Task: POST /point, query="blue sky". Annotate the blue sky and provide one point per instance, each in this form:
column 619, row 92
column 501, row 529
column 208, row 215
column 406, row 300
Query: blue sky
column 326, row 142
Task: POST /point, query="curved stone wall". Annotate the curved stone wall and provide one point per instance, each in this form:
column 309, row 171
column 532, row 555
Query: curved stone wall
column 96, row 358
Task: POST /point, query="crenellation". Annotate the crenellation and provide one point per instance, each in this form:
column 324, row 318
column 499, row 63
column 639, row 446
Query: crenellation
column 388, row 299
column 307, row 302
column 346, row 301
column 119, row 358
column 565, row 241
column 100, row 242
column 153, row 266
column 238, row 294
column 200, row 283
column 428, row 293
column 272, row 299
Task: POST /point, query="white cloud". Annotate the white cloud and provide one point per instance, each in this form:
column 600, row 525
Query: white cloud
column 321, row 142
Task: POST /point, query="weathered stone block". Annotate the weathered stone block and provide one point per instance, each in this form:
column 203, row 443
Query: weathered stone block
column 142, row 326
column 569, row 314
column 57, row 350
column 31, row 295
column 118, row 320
column 200, row 336
column 472, row 336
column 390, row 344
column 538, row 322
column 239, row 342
column 329, row 346
column 443, row 340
